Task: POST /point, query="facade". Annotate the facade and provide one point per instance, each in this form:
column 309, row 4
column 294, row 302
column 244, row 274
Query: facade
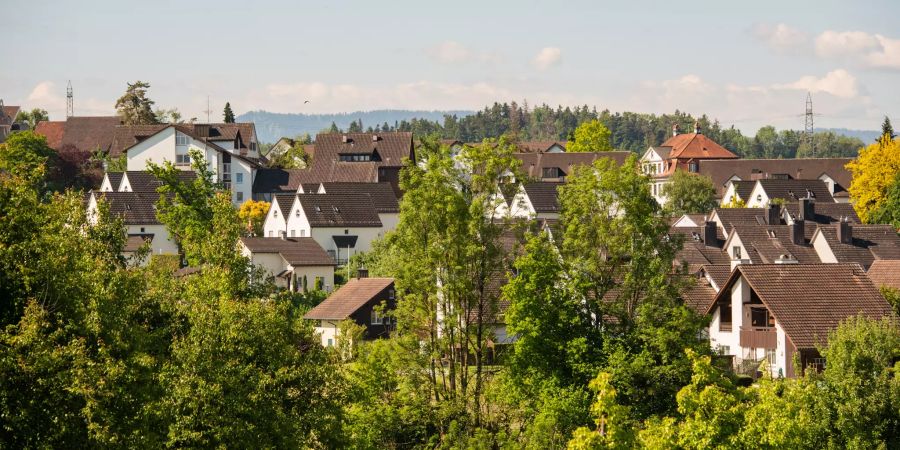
column 777, row 311
column 297, row 264
column 831, row 171
column 343, row 224
column 138, row 211
column 845, row 242
column 365, row 301
column 785, row 190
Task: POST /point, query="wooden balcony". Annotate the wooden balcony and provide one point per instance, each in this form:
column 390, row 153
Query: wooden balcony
column 753, row 337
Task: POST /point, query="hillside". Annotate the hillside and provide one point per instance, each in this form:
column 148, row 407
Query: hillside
column 867, row 136
column 272, row 126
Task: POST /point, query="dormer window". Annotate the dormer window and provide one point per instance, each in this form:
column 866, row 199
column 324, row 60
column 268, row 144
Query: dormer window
column 551, row 172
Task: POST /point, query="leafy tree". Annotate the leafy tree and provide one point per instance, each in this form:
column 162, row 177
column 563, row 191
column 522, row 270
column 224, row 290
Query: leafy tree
column 887, row 129
column 590, row 136
column 134, row 107
column 228, row 114
column 168, row 115
column 874, row 170
column 295, row 157
column 253, row 214
column 889, row 209
column 32, row 117
column 688, row 193
column 614, row 425
column 892, row 296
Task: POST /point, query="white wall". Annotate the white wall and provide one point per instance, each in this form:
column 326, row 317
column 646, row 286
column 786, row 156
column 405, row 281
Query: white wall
column 106, row 185
column 157, row 148
column 275, row 221
column 826, row 255
column 312, row 272
column 162, row 241
column 365, row 236
column 328, row 330
column 758, row 197
column 297, row 222
column 389, row 221
column 239, row 166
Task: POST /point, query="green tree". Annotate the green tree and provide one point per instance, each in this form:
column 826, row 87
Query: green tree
column 614, row 427
column 228, row 114
column 295, row 157
column 134, row 107
column 887, row 129
column 689, row 193
column 32, row 117
column 590, row 136
column 888, row 210
column 874, row 171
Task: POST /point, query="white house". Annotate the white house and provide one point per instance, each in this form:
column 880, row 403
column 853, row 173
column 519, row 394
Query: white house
column 276, row 219
column 343, row 224
column 776, row 311
column 382, row 196
column 297, row 264
column 787, row 190
column 138, row 211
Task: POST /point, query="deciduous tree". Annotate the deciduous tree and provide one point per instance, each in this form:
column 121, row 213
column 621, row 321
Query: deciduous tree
column 874, row 170
column 590, row 136
column 689, row 193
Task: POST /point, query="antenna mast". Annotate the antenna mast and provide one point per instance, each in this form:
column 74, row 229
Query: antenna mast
column 810, row 129
column 208, row 110
column 70, row 101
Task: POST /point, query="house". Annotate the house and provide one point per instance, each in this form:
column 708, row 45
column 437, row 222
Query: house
column 285, row 144
column 138, row 212
column 701, row 246
column 138, row 181
column 276, row 218
column 343, row 224
column 382, row 196
column 231, row 161
column 845, row 242
column 777, row 311
column 830, row 170
column 680, row 152
column 767, row 190
column 689, row 220
column 885, row 273
column 84, row 133
column 533, row 200
column 362, row 300
column 298, row 264
column 8, row 124
column 737, row 191
column 823, row 213
column 555, row 167
column 771, row 244
column 541, row 146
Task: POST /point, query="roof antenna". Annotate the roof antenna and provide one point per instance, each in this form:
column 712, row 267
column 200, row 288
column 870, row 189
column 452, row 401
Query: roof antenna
column 208, row 110
column 70, row 101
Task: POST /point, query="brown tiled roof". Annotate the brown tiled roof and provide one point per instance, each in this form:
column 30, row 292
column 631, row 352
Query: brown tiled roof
column 136, row 208
column 115, row 178
column 297, row 251
column 827, row 212
column 538, row 146
column 135, row 241
column 391, row 147
column 719, row 273
column 543, row 196
column 696, row 146
column 738, row 216
column 766, row 243
column 52, row 131
column 84, row 133
column 382, row 194
column 349, row 298
column 285, row 203
column 9, row 114
column 698, row 295
column 793, row 190
column 885, row 272
column 697, row 254
column 339, row 210
column 870, row 242
column 144, row 181
column 720, row 171
column 743, row 189
column 810, row 300
column 126, row 136
column 534, row 163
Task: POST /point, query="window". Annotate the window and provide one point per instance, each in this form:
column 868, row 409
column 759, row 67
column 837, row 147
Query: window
column 692, row 167
column 182, row 160
column 238, row 178
column 302, row 233
column 275, row 213
column 182, row 139
column 391, row 294
column 760, row 318
column 142, row 229
column 297, row 212
column 771, row 357
column 725, row 316
column 376, row 319
column 724, row 350
column 330, row 342
column 270, row 233
column 292, row 233
column 239, row 195
column 355, row 157
column 550, row 172
column 736, row 251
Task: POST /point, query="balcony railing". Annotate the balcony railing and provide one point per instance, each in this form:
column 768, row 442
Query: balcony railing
column 757, row 337
column 725, row 326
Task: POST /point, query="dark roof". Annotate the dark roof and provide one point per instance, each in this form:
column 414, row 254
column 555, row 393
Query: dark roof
column 827, row 212
column 766, row 243
column 390, row 147
column 285, row 203
column 134, row 242
column 544, row 196
column 278, row 180
column 719, row 273
column 720, row 171
column 870, row 242
column 136, row 208
column 382, row 194
column 52, row 131
column 698, row 295
column 126, row 136
column 697, row 254
column 534, row 163
column 737, row 216
column 885, row 272
column 810, row 300
column 538, row 146
column 9, row 113
column 793, row 190
column 743, row 189
column 349, row 298
column 115, row 179
column 144, row 181
column 83, row 133
column 339, row 210
column 299, row 251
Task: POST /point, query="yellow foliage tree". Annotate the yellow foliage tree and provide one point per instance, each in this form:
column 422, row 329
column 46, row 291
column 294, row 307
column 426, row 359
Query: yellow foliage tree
column 253, row 214
column 873, row 172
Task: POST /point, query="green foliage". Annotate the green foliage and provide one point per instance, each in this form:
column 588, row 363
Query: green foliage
column 590, row 136
column 887, row 129
column 735, row 203
column 294, row 157
column 689, row 193
column 32, row 117
column 874, row 171
column 888, row 210
column 228, row 114
column 614, row 427
column 134, row 107
column 892, row 296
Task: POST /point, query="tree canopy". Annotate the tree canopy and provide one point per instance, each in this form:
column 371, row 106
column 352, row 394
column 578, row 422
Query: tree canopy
column 689, row 193
column 134, row 107
column 228, row 114
column 874, row 171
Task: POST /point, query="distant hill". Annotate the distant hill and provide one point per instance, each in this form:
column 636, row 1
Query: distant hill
column 272, row 126
column 867, row 136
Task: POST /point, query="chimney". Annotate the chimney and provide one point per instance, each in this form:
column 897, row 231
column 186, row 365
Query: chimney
column 807, row 210
column 675, row 129
column 773, row 214
column 845, row 232
column 362, row 272
column 709, row 235
column 786, row 259
column 283, row 235
column 375, row 138
column 798, row 237
column 202, row 130
column 697, row 127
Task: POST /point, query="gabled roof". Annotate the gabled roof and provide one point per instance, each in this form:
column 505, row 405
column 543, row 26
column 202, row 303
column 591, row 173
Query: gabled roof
column 696, row 146
column 662, row 150
column 534, row 163
column 339, row 210
column 115, row 179
column 885, row 272
column 794, row 190
column 810, row 300
column 85, row 133
column 391, row 147
column 826, row 212
column 737, row 216
column 144, row 181
column 285, row 202
column 767, row 243
column 698, row 295
column 52, row 131
column 382, row 195
column 297, row 251
column 743, row 189
column 544, row 196
column 720, row 171
column 870, row 243
column 134, row 242
column 538, row 146
column 9, row 113
column 349, row 298
column 718, row 273
column 277, row 180
column 135, row 208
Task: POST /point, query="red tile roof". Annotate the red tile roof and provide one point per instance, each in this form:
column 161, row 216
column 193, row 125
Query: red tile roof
column 349, row 298
column 696, row 146
column 52, row 131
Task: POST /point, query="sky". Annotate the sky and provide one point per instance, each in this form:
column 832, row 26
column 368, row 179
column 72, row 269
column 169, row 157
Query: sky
column 746, row 64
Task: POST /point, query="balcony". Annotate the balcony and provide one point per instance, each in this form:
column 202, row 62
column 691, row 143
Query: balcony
column 758, row 337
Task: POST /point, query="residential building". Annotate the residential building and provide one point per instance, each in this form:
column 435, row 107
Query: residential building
column 830, row 170
column 885, row 273
column 138, row 181
column 771, row 244
column 382, row 196
column 777, row 311
column 788, row 190
column 276, row 218
column 365, row 301
column 541, row 146
column 845, row 242
column 8, row 124
column 298, row 264
column 555, row 167
column 84, row 133
column 138, row 212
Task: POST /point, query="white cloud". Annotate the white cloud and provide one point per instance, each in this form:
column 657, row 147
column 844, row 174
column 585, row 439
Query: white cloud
column 872, row 50
column 838, row 83
column 51, row 97
column 780, row 37
column 450, row 52
column 547, row 58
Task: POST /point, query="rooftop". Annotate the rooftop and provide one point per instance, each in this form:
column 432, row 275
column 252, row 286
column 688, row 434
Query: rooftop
column 349, row 298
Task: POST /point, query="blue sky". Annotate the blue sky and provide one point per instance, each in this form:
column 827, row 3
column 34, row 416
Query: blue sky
column 748, row 63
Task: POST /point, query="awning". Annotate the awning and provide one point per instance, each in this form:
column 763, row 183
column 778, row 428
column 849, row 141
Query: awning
column 344, row 241
column 284, row 274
